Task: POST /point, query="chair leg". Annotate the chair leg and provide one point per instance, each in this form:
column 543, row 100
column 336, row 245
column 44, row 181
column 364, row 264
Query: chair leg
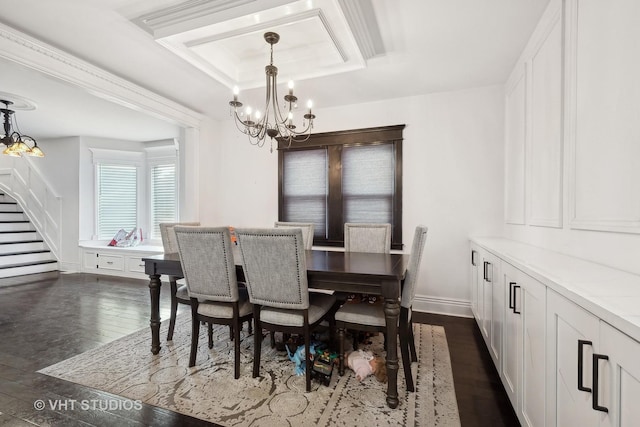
column 250, row 326
column 236, row 348
column 406, row 362
column 272, row 336
column 210, row 332
column 412, row 343
column 257, row 341
column 195, row 332
column 174, row 307
column 307, row 356
column 341, row 351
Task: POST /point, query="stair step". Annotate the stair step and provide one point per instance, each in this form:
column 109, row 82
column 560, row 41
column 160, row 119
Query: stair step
column 18, row 235
column 26, row 264
column 9, row 207
column 20, row 269
column 21, row 246
column 25, row 257
column 11, row 226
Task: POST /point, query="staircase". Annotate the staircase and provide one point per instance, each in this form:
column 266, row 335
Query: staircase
column 22, row 250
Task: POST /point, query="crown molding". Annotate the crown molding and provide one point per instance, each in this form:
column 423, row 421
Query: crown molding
column 364, row 26
column 44, row 58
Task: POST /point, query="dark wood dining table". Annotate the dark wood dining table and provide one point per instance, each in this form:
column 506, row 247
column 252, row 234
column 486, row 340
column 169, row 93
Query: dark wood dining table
column 350, row 272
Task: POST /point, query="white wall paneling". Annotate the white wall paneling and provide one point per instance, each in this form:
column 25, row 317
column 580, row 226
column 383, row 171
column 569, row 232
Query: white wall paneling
column 544, row 152
column 515, row 143
column 604, row 166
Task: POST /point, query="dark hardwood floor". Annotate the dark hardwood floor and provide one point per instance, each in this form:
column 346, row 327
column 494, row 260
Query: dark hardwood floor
column 50, row 320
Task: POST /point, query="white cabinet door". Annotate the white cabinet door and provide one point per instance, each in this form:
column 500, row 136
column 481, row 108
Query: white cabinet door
column 572, row 338
column 512, row 346
column 619, row 379
column 493, row 306
column 475, row 278
column 531, row 302
column 524, row 345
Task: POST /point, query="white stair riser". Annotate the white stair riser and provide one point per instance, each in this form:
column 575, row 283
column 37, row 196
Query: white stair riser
column 12, row 237
column 28, row 269
column 12, row 216
column 21, row 247
column 6, row 207
column 15, row 226
column 18, row 259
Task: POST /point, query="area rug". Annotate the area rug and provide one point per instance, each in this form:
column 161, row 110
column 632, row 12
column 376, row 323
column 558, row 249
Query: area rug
column 208, row 391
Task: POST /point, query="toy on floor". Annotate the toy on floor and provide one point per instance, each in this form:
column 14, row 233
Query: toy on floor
column 298, row 358
column 364, row 363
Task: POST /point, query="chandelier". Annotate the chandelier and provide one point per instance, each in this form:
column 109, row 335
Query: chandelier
column 17, row 144
column 273, row 121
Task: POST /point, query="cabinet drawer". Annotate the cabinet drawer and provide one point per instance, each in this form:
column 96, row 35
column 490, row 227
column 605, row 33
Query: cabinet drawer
column 135, row 264
column 111, row 262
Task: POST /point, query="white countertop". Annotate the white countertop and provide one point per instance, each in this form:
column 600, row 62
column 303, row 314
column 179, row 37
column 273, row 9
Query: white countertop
column 610, row 294
column 103, row 245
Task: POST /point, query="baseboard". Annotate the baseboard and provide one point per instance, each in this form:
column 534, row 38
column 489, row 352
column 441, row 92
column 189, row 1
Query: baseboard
column 69, row 267
column 439, row 305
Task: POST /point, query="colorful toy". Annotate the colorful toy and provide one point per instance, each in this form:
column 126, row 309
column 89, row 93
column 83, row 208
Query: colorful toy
column 298, row 358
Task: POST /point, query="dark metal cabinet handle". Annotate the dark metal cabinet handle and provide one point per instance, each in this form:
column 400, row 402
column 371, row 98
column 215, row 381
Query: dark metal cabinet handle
column 473, row 257
column 594, row 396
column 516, row 287
column 511, row 295
column 486, row 271
column 581, row 344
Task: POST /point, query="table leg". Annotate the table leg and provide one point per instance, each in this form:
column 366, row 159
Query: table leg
column 391, row 311
column 154, row 291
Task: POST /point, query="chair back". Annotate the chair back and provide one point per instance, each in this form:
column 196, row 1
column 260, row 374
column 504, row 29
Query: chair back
column 307, row 231
column 367, row 237
column 413, row 269
column 275, row 267
column 207, row 262
column 168, row 235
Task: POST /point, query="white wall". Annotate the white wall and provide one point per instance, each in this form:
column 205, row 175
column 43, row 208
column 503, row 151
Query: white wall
column 60, row 168
column 452, row 179
column 599, row 152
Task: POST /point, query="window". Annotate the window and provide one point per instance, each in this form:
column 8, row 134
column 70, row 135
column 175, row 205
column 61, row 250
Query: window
column 163, row 196
column 117, row 199
column 137, row 187
column 338, row 177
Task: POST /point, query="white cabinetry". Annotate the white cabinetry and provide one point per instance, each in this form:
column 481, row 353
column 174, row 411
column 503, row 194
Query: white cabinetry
column 487, row 299
column 619, row 378
column 564, row 335
column 594, row 375
column 99, row 258
column 572, row 336
column 524, row 345
column 475, row 280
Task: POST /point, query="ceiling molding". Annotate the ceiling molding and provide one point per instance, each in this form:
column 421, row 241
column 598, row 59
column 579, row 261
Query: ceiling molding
column 362, row 20
column 186, row 11
column 44, row 58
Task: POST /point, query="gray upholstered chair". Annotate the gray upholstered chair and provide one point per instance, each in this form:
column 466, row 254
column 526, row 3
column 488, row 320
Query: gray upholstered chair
column 371, row 317
column 179, row 294
column 307, row 231
column 274, row 264
column 367, row 237
column 210, row 275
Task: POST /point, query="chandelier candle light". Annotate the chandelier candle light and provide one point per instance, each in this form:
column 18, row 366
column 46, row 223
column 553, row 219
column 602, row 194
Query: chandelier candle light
column 17, row 144
column 275, row 122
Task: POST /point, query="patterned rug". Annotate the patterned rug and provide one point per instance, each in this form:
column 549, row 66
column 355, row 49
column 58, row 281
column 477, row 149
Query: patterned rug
column 209, row 392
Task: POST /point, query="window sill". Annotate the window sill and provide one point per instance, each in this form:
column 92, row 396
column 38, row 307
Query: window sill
column 102, row 245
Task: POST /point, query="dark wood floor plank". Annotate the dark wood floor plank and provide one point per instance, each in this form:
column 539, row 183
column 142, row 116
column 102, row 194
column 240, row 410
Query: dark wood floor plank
column 45, row 322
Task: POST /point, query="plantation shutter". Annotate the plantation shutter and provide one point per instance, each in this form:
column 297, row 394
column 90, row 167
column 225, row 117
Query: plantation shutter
column 163, row 196
column 117, row 199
